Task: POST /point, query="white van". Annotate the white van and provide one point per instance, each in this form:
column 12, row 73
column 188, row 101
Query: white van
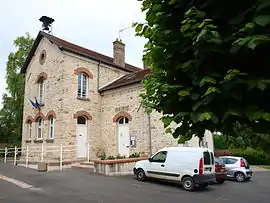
column 191, row 166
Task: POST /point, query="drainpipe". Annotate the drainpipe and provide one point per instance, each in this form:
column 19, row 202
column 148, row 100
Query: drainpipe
column 150, row 135
column 98, row 74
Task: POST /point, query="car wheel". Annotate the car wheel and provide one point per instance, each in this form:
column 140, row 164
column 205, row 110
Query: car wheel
column 140, row 175
column 240, row 177
column 220, row 181
column 188, row 184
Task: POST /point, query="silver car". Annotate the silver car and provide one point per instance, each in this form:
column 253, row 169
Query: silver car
column 237, row 168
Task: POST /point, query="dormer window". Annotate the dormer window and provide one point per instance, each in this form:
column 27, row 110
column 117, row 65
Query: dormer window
column 82, row 85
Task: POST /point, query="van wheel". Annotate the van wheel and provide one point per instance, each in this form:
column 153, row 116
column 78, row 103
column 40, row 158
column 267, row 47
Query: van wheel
column 240, row 177
column 188, row 183
column 140, row 175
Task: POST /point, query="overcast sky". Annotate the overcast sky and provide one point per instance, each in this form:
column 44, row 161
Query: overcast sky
column 89, row 23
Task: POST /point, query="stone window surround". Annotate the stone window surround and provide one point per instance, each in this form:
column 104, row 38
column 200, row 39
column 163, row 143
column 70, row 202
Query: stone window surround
column 41, row 77
column 89, row 76
column 83, row 70
column 121, row 115
column 35, row 119
column 82, row 113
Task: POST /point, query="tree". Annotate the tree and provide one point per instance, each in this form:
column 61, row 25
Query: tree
column 11, row 114
column 209, row 64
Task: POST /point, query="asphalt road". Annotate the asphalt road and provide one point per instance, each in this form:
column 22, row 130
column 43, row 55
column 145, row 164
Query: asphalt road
column 71, row 186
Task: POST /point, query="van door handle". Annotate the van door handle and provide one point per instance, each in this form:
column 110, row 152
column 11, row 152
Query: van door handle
column 162, row 165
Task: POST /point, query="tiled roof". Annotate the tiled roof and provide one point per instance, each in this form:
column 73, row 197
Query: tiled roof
column 128, row 79
column 67, row 46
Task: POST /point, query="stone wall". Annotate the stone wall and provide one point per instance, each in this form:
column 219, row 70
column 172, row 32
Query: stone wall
column 60, row 85
column 52, row 94
column 127, row 100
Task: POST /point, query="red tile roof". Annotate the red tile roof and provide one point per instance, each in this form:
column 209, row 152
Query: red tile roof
column 128, row 79
column 67, row 46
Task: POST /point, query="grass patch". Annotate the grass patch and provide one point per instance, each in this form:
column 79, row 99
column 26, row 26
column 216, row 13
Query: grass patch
column 265, row 166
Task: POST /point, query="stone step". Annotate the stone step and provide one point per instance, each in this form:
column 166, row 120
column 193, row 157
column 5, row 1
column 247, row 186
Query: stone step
column 87, row 163
column 88, row 168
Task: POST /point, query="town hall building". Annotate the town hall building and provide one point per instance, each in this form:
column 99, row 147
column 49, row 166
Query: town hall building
column 87, row 98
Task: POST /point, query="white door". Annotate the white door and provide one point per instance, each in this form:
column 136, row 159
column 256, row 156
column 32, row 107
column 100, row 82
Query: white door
column 123, row 138
column 81, row 138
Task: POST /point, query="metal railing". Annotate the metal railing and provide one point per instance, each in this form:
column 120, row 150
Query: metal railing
column 40, row 153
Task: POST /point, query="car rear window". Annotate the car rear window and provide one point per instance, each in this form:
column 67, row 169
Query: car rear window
column 218, row 161
column 207, row 158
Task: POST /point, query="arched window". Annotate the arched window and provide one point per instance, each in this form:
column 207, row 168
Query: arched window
column 82, row 85
column 81, row 120
column 39, row 128
column 123, row 120
column 51, row 127
column 41, row 90
column 29, row 129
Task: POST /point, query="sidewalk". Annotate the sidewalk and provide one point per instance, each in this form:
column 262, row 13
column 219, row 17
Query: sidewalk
column 258, row 168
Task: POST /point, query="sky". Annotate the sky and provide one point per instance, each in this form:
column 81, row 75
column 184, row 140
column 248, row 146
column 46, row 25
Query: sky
column 89, row 23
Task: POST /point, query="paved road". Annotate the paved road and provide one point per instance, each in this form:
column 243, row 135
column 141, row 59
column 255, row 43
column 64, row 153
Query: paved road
column 79, row 187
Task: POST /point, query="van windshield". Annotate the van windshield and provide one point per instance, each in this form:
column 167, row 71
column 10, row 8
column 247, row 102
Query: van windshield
column 207, row 158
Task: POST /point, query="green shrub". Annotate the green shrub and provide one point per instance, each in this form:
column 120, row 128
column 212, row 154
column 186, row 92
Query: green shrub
column 110, row 158
column 134, row 155
column 120, row 157
column 253, row 156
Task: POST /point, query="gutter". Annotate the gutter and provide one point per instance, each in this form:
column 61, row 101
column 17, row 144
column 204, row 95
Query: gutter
column 98, row 75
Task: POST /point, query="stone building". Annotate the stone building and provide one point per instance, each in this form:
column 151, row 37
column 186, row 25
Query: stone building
column 87, row 97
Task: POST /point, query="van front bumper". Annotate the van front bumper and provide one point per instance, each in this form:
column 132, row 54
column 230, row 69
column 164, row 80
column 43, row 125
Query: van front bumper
column 205, row 178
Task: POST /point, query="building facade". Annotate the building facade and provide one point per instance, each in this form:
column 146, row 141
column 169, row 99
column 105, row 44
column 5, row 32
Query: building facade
column 88, row 98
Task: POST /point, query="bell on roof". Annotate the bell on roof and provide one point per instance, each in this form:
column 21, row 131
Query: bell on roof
column 46, row 23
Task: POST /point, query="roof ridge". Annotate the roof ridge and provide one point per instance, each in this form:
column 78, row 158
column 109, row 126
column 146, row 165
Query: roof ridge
column 106, row 57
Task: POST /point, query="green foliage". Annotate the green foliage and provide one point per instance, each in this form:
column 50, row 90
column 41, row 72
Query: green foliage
column 209, row 64
column 220, row 142
column 120, row 156
column 253, row 156
column 134, row 155
column 11, row 114
column 110, row 157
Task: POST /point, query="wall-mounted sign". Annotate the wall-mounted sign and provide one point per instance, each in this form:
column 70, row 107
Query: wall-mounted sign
column 122, row 108
column 132, row 141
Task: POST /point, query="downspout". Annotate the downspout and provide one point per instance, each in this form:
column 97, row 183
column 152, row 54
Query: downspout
column 150, row 134
column 98, row 74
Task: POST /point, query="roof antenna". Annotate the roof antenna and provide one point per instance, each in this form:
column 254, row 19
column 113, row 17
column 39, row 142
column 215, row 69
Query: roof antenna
column 122, row 31
column 46, row 24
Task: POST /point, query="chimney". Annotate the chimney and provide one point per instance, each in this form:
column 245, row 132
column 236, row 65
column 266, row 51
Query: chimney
column 119, row 53
column 145, row 66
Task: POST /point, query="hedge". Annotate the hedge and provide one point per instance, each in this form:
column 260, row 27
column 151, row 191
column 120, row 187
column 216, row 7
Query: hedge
column 253, row 156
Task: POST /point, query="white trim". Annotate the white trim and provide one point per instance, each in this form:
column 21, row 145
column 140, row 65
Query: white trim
column 40, row 127
column 51, row 128
column 29, row 130
column 80, row 94
column 41, row 96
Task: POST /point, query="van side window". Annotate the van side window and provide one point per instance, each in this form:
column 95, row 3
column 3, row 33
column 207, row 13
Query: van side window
column 160, row 157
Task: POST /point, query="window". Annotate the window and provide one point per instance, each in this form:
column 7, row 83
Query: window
column 160, row 157
column 231, row 161
column 81, row 120
column 206, row 158
column 51, row 128
column 123, row 120
column 41, row 91
column 82, row 85
column 29, row 130
column 40, row 128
